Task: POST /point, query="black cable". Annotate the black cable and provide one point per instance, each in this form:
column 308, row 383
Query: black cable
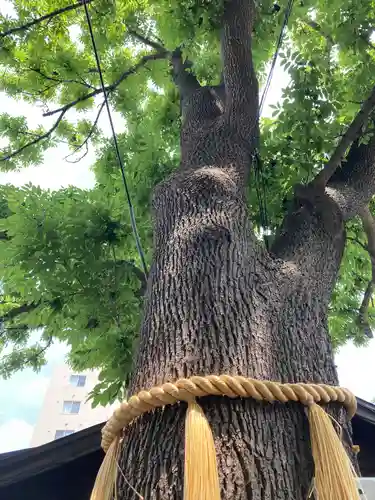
column 128, row 197
column 276, row 54
column 258, row 166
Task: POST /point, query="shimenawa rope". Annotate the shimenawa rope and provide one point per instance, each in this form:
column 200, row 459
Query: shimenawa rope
column 334, row 475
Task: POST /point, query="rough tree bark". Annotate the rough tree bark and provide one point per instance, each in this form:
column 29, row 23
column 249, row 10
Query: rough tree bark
column 217, row 302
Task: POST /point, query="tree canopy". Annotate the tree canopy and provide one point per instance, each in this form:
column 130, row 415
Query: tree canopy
column 70, row 269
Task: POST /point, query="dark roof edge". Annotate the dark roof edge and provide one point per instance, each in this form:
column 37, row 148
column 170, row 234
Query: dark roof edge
column 18, row 465
column 366, row 410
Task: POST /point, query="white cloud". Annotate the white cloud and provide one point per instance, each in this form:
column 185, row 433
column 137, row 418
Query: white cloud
column 356, row 369
column 7, row 9
column 32, row 391
column 55, row 172
column 15, row 434
column 22, row 395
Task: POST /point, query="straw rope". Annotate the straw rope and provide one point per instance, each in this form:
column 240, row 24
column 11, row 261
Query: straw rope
column 223, row 385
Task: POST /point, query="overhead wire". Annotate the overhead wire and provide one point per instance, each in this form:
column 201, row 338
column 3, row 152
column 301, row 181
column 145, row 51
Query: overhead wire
column 280, row 40
column 115, row 141
column 260, row 183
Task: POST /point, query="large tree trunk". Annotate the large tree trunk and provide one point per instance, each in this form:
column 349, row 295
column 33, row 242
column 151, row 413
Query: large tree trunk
column 218, row 302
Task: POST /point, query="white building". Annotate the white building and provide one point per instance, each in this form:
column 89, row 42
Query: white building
column 65, row 407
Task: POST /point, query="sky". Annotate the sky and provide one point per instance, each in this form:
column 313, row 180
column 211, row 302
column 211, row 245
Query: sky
column 22, row 395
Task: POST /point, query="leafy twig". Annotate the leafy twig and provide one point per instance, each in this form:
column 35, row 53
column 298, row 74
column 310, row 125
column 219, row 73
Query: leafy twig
column 92, row 130
column 315, row 26
column 64, row 109
column 80, row 158
column 109, row 88
column 37, row 139
column 46, row 17
column 59, row 80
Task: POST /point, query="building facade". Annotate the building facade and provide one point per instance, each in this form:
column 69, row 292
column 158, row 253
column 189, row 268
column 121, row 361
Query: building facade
column 65, row 407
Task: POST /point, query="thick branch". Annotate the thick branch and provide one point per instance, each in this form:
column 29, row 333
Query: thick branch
column 37, row 139
column 109, row 88
column 38, row 20
column 239, row 75
column 369, row 228
column 353, row 184
column 353, row 132
column 146, row 41
column 311, row 240
column 184, row 79
column 312, row 235
column 16, row 311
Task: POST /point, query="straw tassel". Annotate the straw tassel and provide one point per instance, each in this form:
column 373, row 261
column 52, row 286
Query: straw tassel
column 201, row 479
column 334, row 474
column 106, row 478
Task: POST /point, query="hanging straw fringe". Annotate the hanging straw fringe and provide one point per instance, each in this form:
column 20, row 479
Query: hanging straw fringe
column 201, row 480
column 106, row 478
column 334, row 476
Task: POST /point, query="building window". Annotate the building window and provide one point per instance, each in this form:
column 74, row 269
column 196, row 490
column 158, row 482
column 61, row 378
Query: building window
column 62, row 433
column 77, row 380
column 71, row 406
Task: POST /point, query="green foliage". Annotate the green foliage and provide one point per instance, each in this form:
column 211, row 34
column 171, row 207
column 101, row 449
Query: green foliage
column 69, row 255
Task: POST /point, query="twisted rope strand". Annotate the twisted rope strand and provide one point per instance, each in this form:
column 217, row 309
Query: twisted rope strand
column 224, row 385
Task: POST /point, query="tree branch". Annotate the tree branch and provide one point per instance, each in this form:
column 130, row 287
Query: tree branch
column 369, row 228
column 46, row 17
column 185, row 80
column 239, row 74
column 16, row 311
column 59, row 80
column 145, row 59
column 353, row 132
column 356, row 240
column 92, row 130
column 25, row 308
column 136, row 271
column 37, row 139
column 353, row 184
column 316, row 27
column 41, row 351
column 64, row 109
column 146, row 41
